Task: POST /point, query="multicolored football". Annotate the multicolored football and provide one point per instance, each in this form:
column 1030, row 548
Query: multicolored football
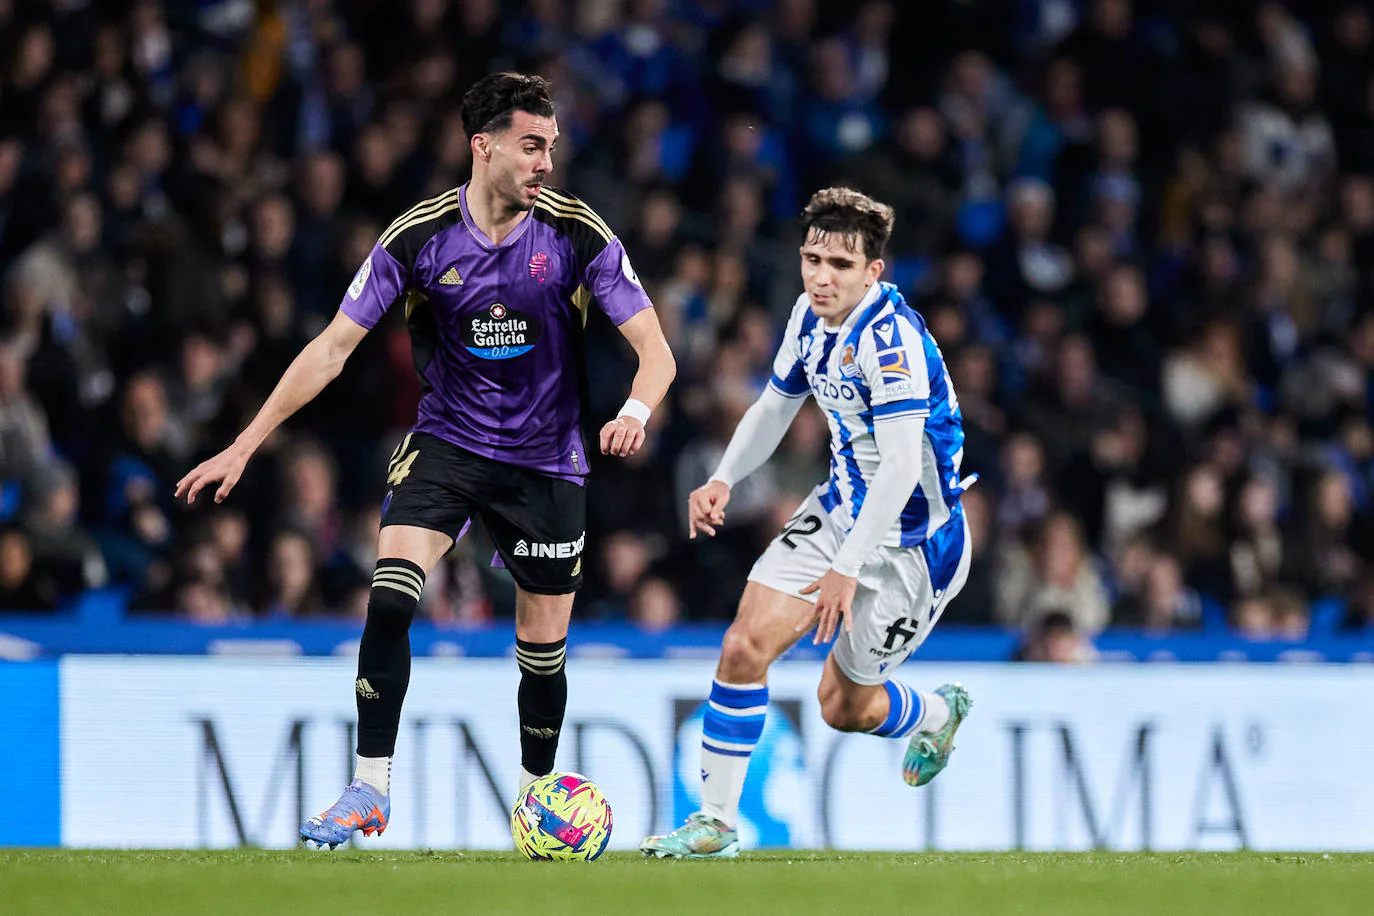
column 561, row 816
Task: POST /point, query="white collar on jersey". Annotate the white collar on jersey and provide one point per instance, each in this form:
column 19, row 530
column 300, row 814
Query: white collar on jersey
column 869, row 298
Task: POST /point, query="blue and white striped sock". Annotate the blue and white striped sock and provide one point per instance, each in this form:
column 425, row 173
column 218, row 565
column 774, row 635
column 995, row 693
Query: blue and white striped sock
column 731, row 727
column 904, row 709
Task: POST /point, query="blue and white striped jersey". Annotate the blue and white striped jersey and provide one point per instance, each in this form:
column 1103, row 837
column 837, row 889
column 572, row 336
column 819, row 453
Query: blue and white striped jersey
column 879, row 365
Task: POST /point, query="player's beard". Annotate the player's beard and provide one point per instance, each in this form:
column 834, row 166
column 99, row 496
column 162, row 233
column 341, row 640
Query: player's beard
column 519, row 199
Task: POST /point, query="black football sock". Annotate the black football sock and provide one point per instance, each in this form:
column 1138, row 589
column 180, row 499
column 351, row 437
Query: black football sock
column 542, row 699
column 384, row 655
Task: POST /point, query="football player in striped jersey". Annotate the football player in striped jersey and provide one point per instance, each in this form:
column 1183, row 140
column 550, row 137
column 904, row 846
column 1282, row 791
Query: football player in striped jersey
column 875, row 553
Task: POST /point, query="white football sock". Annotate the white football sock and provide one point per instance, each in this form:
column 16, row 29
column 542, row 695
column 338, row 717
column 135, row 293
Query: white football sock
column 934, row 713
column 722, row 781
column 526, row 777
column 375, row 771
column 730, row 728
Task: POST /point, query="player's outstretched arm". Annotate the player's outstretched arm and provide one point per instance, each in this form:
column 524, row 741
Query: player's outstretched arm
column 899, row 444
column 754, row 440
column 624, row 435
column 318, row 364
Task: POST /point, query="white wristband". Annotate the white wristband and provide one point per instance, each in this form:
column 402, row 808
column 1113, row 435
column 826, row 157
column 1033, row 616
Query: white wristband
column 637, row 409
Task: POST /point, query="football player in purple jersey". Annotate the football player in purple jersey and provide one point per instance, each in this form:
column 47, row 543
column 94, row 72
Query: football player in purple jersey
column 496, row 279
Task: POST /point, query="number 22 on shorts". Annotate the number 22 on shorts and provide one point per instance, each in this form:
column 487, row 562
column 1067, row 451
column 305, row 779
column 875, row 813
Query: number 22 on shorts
column 808, row 525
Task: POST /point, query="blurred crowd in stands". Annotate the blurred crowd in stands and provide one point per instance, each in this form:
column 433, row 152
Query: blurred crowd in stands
column 1143, row 234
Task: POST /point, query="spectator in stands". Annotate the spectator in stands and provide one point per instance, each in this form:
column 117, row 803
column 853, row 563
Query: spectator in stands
column 196, row 394
column 1165, row 603
column 20, row 588
column 1195, row 529
column 1025, row 496
column 1027, row 262
column 229, row 536
column 1292, row 620
column 1257, row 549
column 137, row 468
column 1066, row 409
column 65, row 557
column 916, row 174
column 289, row 590
column 654, row 605
column 1288, row 142
column 974, row 372
column 1202, row 379
column 987, row 113
column 802, row 460
column 1115, row 487
column 837, row 120
column 1052, row 571
column 1253, row 619
column 624, row 562
column 1060, row 121
column 205, row 602
column 1318, row 555
column 24, row 442
column 1359, row 612
column 1056, row 639
column 309, row 501
column 1124, row 335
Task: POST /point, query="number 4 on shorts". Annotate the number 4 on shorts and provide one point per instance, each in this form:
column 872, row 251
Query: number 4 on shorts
column 398, row 468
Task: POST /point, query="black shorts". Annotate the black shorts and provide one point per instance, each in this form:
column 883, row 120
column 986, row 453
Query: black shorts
column 538, row 523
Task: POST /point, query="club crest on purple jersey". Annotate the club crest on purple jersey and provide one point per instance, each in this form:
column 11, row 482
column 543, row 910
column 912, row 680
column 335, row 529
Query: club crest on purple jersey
column 539, row 266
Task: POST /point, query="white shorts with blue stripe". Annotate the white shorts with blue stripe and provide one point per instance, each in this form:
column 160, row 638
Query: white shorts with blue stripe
column 902, row 591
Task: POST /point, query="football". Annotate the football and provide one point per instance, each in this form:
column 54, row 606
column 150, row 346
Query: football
column 561, row 816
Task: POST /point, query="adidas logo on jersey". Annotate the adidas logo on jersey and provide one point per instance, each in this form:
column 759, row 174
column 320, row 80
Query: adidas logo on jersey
column 451, row 278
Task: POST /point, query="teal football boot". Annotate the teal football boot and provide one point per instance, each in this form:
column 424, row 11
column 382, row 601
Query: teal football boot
column 702, row 837
column 928, row 753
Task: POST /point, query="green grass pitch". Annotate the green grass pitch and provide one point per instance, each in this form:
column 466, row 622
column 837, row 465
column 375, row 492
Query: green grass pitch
column 260, row 882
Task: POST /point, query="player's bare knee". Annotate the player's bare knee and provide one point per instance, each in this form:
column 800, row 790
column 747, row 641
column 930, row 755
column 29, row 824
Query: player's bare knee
column 743, row 657
column 542, row 618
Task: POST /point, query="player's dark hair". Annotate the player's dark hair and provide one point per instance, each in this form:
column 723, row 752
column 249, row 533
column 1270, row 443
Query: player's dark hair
column 493, row 100
column 851, row 216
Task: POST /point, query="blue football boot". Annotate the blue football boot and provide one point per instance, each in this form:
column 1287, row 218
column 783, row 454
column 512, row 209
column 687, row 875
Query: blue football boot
column 360, row 808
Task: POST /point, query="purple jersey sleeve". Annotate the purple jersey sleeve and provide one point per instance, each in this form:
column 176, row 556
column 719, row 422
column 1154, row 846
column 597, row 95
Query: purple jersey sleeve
column 377, row 284
column 614, row 284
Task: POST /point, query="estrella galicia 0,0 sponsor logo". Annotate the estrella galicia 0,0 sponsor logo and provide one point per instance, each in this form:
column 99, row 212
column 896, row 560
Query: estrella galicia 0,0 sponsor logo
column 500, row 333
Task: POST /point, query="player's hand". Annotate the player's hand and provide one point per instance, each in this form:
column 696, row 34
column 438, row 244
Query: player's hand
column 622, row 437
column 225, row 469
column 835, row 602
column 706, row 508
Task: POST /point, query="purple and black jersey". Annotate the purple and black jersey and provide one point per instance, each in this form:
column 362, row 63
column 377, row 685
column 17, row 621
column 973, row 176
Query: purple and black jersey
column 497, row 329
